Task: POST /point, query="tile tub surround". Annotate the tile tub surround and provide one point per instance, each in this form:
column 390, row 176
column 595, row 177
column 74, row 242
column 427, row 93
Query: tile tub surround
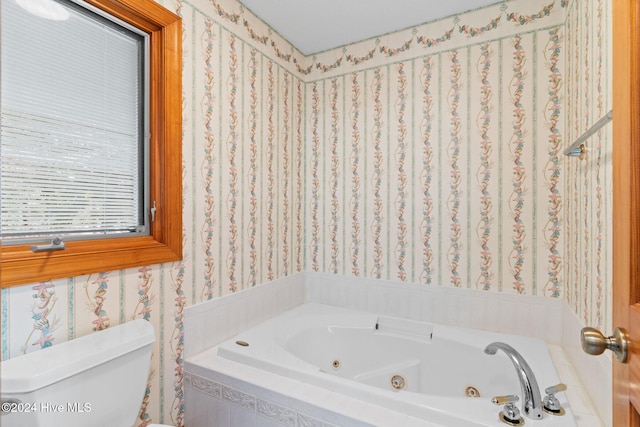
column 538, row 317
column 239, row 311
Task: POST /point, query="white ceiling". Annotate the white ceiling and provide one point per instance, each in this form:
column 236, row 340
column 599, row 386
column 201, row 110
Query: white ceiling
column 316, row 25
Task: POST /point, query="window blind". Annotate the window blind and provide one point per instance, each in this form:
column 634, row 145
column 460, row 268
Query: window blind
column 72, row 126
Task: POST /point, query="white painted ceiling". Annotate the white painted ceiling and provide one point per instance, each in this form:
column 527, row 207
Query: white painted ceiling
column 314, row 26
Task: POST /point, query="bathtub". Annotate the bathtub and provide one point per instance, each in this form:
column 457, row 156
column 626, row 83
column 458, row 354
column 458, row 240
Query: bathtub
column 432, row 372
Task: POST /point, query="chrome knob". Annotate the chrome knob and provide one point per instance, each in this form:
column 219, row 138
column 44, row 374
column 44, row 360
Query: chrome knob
column 595, row 343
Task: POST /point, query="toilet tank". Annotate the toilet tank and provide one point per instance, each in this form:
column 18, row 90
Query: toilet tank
column 96, row 380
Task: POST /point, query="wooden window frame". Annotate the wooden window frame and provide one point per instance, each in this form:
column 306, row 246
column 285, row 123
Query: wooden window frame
column 19, row 265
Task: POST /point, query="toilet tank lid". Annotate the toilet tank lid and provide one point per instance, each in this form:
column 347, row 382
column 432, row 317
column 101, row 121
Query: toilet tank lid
column 32, row 371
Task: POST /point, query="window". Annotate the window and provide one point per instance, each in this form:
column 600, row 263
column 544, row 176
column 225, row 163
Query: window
column 99, row 167
column 73, row 145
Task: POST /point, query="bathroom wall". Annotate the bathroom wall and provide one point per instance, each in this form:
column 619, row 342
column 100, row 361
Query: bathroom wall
column 434, row 153
column 588, row 182
column 242, row 199
column 430, row 155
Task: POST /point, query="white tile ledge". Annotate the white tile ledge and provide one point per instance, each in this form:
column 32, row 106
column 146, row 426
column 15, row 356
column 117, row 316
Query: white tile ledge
column 583, row 408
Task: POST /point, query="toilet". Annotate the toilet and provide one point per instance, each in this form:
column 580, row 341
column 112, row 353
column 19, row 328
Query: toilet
column 96, row 380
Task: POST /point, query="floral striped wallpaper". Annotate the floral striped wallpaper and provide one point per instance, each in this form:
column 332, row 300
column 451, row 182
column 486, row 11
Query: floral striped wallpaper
column 430, row 155
column 588, row 182
column 441, row 169
column 243, row 196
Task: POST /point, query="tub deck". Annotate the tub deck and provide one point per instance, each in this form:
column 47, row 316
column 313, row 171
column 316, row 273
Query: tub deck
column 298, row 350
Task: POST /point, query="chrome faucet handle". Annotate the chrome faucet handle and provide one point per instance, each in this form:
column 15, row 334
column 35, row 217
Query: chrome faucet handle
column 503, row 400
column 510, row 414
column 550, row 403
column 555, row 389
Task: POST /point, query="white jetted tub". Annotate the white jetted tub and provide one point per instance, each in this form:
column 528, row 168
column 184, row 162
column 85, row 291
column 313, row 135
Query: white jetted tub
column 433, row 372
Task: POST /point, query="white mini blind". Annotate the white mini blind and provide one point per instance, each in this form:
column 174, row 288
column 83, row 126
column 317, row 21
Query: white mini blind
column 72, row 149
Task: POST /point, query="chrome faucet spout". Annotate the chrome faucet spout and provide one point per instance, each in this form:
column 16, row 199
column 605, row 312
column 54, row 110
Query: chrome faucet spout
column 531, row 397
